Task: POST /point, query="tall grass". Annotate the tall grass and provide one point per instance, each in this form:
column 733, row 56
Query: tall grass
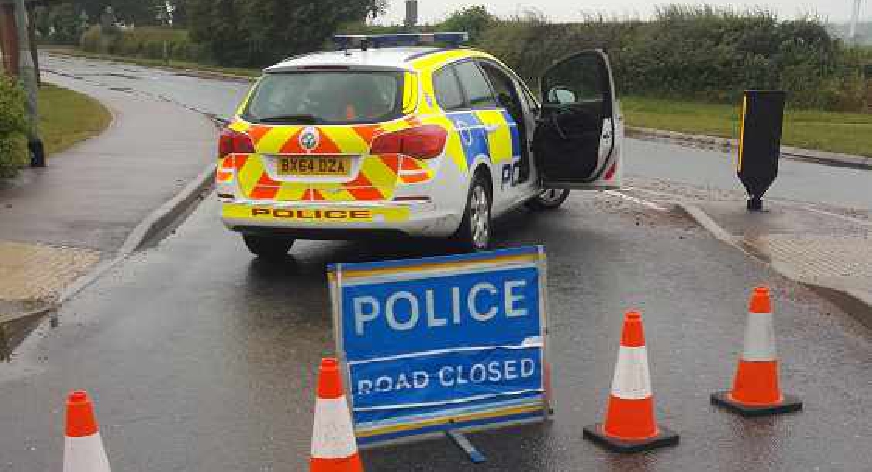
column 144, row 42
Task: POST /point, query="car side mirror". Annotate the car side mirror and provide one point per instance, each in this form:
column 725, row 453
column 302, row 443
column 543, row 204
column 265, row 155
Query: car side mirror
column 561, row 95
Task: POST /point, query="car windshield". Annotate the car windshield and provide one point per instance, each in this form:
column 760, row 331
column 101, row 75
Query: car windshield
column 333, row 97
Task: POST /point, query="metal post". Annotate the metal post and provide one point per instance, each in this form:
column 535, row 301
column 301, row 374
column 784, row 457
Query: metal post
column 27, row 75
column 411, row 19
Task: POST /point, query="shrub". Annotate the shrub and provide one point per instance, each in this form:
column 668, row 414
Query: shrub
column 145, row 42
column 13, row 125
column 697, row 52
column 93, row 40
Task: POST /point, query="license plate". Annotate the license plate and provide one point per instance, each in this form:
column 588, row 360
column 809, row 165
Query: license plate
column 315, row 166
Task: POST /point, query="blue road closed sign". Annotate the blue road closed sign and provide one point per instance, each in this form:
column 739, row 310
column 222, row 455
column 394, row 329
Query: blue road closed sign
column 442, row 343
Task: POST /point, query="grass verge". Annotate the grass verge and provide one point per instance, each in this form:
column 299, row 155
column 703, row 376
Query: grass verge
column 67, row 117
column 174, row 65
column 849, row 133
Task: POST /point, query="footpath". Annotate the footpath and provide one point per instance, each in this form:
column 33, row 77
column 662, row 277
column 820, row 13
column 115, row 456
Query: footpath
column 823, row 249
column 98, row 200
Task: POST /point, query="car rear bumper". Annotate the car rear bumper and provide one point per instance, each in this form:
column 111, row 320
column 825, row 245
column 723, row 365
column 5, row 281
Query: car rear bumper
column 338, row 220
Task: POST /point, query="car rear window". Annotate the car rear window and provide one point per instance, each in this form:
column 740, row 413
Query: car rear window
column 334, row 97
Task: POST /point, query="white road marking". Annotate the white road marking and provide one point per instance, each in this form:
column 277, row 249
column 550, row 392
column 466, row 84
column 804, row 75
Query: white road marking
column 635, row 200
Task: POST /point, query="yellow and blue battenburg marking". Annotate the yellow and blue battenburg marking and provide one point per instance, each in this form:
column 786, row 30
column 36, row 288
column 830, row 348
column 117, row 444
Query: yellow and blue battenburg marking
column 473, row 136
column 500, row 144
column 442, row 343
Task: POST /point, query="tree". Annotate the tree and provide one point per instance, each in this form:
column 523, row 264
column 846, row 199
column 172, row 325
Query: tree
column 260, row 32
column 179, row 13
column 41, row 21
column 473, row 19
column 66, row 24
column 137, row 12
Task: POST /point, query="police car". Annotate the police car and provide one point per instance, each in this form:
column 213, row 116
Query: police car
column 392, row 135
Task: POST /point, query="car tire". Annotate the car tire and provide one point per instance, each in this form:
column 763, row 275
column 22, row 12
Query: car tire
column 548, row 199
column 267, row 246
column 475, row 229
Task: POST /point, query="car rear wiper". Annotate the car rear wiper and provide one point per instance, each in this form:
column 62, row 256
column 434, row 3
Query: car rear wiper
column 303, row 119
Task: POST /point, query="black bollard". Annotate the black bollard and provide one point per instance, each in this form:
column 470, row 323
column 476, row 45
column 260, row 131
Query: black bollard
column 760, row 142
column 37, row 153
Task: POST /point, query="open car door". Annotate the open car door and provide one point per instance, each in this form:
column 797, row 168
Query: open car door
column 576, row 143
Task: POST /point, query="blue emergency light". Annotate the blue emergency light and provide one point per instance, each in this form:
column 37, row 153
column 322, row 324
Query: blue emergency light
column 365, row 41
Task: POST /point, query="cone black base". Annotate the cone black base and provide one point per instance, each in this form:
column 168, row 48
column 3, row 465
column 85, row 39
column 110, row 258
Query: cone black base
column 789, row 404
column 665, row 437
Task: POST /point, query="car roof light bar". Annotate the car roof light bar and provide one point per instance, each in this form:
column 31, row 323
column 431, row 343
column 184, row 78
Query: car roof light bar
column 366, row 41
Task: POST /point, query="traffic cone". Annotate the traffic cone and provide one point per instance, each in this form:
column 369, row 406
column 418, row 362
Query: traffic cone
column 630, row 424
column 83, row 447
column 755, row 388
column 334, row 447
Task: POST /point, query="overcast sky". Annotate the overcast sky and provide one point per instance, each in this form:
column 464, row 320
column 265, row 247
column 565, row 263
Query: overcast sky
column 434, row 10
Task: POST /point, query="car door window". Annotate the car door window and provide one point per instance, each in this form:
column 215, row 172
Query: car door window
column 504, row 89
column 478, row 90
column 575, row 81
column 449, row 96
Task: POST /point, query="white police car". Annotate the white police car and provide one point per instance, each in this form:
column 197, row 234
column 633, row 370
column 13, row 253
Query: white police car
column 385, row 136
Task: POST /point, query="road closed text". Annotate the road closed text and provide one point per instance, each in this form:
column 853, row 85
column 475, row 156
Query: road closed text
column 446, row 375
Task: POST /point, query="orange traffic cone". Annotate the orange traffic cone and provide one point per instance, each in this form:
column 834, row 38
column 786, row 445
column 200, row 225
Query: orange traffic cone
column 83, row 447
column 334, row 447
column 630, row 424
column 755, row 388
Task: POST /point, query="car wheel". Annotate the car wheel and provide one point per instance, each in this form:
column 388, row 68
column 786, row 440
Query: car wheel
column 475, row 230
column 267, row 246
column 548, row 199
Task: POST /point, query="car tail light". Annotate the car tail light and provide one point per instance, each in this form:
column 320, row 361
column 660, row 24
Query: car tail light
column 422, row 142
column 234, row 142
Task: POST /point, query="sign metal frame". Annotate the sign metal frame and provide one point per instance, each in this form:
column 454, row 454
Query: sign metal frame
column 335, row 283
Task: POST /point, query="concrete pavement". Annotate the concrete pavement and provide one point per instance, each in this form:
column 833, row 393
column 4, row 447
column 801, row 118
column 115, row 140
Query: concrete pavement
column 57, row 222
column 812, row 246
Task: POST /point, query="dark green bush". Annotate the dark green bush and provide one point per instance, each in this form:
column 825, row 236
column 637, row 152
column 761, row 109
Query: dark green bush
column 700, row 52
column 13, row 125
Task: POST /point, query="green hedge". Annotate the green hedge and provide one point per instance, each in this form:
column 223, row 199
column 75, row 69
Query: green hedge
column 145, row 42
column 13, row 125
column 701, row 53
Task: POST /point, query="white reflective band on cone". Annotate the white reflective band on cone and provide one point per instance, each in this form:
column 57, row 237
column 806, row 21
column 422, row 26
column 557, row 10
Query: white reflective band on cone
column 85, row 454
column 759, row 338
column 332, row 434
column 632, row 381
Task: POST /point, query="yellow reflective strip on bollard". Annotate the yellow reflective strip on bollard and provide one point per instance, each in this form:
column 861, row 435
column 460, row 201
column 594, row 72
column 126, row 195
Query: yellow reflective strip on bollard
column 742, row 132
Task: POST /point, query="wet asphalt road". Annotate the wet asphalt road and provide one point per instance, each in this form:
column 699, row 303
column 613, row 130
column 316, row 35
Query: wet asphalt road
column 202, row 358
column 800, row 181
